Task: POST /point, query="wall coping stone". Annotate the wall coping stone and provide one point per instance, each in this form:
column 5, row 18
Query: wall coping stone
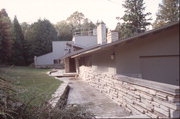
column 168, row 88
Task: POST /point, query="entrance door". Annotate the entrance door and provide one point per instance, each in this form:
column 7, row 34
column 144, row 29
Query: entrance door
column 72, row 65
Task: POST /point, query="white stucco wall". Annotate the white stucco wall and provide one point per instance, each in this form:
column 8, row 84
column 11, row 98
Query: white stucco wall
column 85, row 41
column 44, row 59
column 58, row 51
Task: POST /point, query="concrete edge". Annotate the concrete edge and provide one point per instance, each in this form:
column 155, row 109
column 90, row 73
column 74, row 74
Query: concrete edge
column 60, row 94
column 140, row 116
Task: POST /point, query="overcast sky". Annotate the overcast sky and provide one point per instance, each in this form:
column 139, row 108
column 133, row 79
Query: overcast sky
column 57, row 10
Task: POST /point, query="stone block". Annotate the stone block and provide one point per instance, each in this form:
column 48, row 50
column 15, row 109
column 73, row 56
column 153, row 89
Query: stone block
column 127, row 100
column 122, row 90
column 133, row 94
column 155, row 104
column 134, row 111
column 146, row 106
column 145, row 95
column 163, row 112
column 114, row 95
column 152, row 115
column 144, row 89
column 164, row 108
column 162, row 95
column 132, row 88
column 139, row 108
column 174, row 99
column 174, row 106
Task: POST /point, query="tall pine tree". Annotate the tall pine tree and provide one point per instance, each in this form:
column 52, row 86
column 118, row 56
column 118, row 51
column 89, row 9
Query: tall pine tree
column 18, row 46
column 168, row 13
column 135, row 20
column 5, row 38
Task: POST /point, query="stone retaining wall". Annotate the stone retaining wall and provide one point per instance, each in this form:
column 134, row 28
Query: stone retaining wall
column 138, row 96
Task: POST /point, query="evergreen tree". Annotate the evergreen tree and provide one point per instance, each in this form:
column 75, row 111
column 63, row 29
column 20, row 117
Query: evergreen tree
column 168, row 13
column 24, row 27
column 134, row 18
column 5, row 37
column 18, row 46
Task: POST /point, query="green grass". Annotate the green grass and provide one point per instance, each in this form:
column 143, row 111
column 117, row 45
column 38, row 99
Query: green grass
column 31, row 84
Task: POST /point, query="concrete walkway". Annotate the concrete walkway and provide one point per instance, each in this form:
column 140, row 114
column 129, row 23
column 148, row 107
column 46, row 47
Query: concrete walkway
column 97, row 103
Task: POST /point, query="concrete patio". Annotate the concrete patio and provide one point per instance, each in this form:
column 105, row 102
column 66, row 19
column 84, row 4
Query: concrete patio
column 81, row 93
column 95, row 102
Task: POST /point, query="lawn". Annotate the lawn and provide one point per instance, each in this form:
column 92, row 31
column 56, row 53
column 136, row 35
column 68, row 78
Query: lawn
column 31, row 84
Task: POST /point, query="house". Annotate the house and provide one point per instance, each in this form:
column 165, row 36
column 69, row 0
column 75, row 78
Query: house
column 81, row 39
column 140, row 73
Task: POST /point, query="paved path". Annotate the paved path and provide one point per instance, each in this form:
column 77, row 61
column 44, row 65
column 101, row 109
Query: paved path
column 96, row 102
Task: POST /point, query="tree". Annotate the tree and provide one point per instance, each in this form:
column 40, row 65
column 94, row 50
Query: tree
column 24, row 27
column 134, row 19
column 18, row 46
column 64, row 31
column 74, row 22
column 39, row 37
column 76, row 19
column 168, row 13
column 5, row 37
column 88, row 24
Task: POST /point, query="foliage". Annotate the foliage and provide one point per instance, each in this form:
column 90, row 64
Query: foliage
column 18, row 46
column 134, row 19
column 8, row 104
column 76, row 19
column 64, row 30
column 5, row 37
column 74, row 22
column 88, row 24
column 20, row 43
column 168, row 13
column 24, row 27
column 39, row 37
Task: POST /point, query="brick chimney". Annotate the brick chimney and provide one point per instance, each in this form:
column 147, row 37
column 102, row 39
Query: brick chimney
column 101, row 33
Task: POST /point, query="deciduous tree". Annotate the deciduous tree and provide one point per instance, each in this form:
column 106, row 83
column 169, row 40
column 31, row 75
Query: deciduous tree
column 64, row 31
column 76, row 19
column 39, row 37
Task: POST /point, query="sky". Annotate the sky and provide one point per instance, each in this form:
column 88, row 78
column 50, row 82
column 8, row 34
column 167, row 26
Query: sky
column 56, row 10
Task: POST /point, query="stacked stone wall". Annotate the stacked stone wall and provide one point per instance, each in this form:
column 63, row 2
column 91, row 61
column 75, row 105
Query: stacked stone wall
column 135, row 97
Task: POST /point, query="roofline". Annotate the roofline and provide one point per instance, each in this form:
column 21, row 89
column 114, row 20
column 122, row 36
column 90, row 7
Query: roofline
column 63, row 41
column 89, row 51
column 99, row 47
column 74, row 45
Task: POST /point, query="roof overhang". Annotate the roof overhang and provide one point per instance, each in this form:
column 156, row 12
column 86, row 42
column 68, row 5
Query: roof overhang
column 123, row 41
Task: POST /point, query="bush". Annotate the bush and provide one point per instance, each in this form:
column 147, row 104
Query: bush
column 9, row 105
